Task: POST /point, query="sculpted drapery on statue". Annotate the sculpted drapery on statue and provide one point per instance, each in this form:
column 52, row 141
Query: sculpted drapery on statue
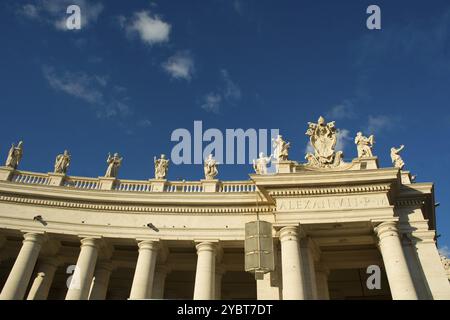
column 14, row 155
column 260, row 164
column 62, row 162
column 364, row 145
column 210, row 168
column 281, row 148
column 114, row 163
column 397, row 160
column 161, row 167
column 323, row 138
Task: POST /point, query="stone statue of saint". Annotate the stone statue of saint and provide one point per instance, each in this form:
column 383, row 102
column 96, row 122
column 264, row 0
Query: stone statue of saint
column 323, row 138
column 260, row 164
column 281, row 148
column 364, row 145
column 14, row 155
column 62, row 162
column 210, row 168
column 161, row 167
column 397, row 160
column 114, row 163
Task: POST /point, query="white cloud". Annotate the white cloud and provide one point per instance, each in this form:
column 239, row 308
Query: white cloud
column 343, row 137
column 344, row 110
column 229, row 93
column 93, row 89
column 150, row 28
column 53, row 12
column 445, row 251
column 180, row 66
column 231, row 90
column 212, row 102
column 378, row 123
column 144, row 123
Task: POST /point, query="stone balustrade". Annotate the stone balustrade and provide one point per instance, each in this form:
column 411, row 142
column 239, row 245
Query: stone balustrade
column 121, row 185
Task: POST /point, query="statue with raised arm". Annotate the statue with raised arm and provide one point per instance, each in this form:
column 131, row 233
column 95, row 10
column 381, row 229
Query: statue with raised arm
column 62, row 162
column 364, row 145
column 323, row 139
column 161, row 167
column 210, row 168
column 114, row 163
column 14, row 155
column 281, row 148
column 260, row 164
column 397, row 160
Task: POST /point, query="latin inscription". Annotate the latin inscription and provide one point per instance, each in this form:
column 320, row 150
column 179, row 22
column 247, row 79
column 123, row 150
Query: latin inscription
column 335, row 203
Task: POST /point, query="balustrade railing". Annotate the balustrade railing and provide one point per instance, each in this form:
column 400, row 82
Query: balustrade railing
column 30, row 178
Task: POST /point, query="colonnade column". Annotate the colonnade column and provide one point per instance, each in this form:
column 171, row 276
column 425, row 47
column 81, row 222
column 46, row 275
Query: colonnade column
column 433, row 270
column 220, row 271
column 44, row 277
column 99, row 286
column 399, row 277
column 205, row 272
column 20, row 275
column 323, row 292
column 84, row 270
column 159, row 282
column 145, row 268
column 293, row 281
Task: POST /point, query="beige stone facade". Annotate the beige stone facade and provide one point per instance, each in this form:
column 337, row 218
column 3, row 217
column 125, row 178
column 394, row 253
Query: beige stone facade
column 64, row 237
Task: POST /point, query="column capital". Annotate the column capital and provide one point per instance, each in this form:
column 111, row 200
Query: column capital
column 149, row 244
column 91, row 242
column 291, row 233
column 39, row 238
column 386, row 229
column 206, row 246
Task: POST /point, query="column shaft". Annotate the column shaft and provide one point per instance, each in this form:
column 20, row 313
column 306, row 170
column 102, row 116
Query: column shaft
column 433, row 270
column 20, row 275
column 145, row 270
column 159, row 282
column 100, row 282
column 323, row 293
column 293, row 282
column 84, row 270
column 205, row 273
column 399, row 277
column 44, row 278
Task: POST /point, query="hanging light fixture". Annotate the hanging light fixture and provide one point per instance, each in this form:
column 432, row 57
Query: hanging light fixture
column 259, row 256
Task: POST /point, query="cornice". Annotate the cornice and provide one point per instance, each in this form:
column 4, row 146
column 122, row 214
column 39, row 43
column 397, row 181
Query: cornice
column 130, row 208
column 358, row 189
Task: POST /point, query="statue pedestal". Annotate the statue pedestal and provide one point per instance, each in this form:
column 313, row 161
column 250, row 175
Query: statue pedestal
column 210, row 185
column 107, row 183
column 366, row 163
column 158, row 185
column 6, row 173
column 56, row 179
column 284, row 166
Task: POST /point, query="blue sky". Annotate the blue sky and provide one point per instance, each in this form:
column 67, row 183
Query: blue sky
column 137, row 70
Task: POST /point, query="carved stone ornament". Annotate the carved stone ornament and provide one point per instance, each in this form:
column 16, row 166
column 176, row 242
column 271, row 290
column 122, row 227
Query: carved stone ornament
column 323, row 138
column 161, row 167
column 62, row 163
column 14, row 155
column 260, row 164
column 114, row 163
column 210, row 168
